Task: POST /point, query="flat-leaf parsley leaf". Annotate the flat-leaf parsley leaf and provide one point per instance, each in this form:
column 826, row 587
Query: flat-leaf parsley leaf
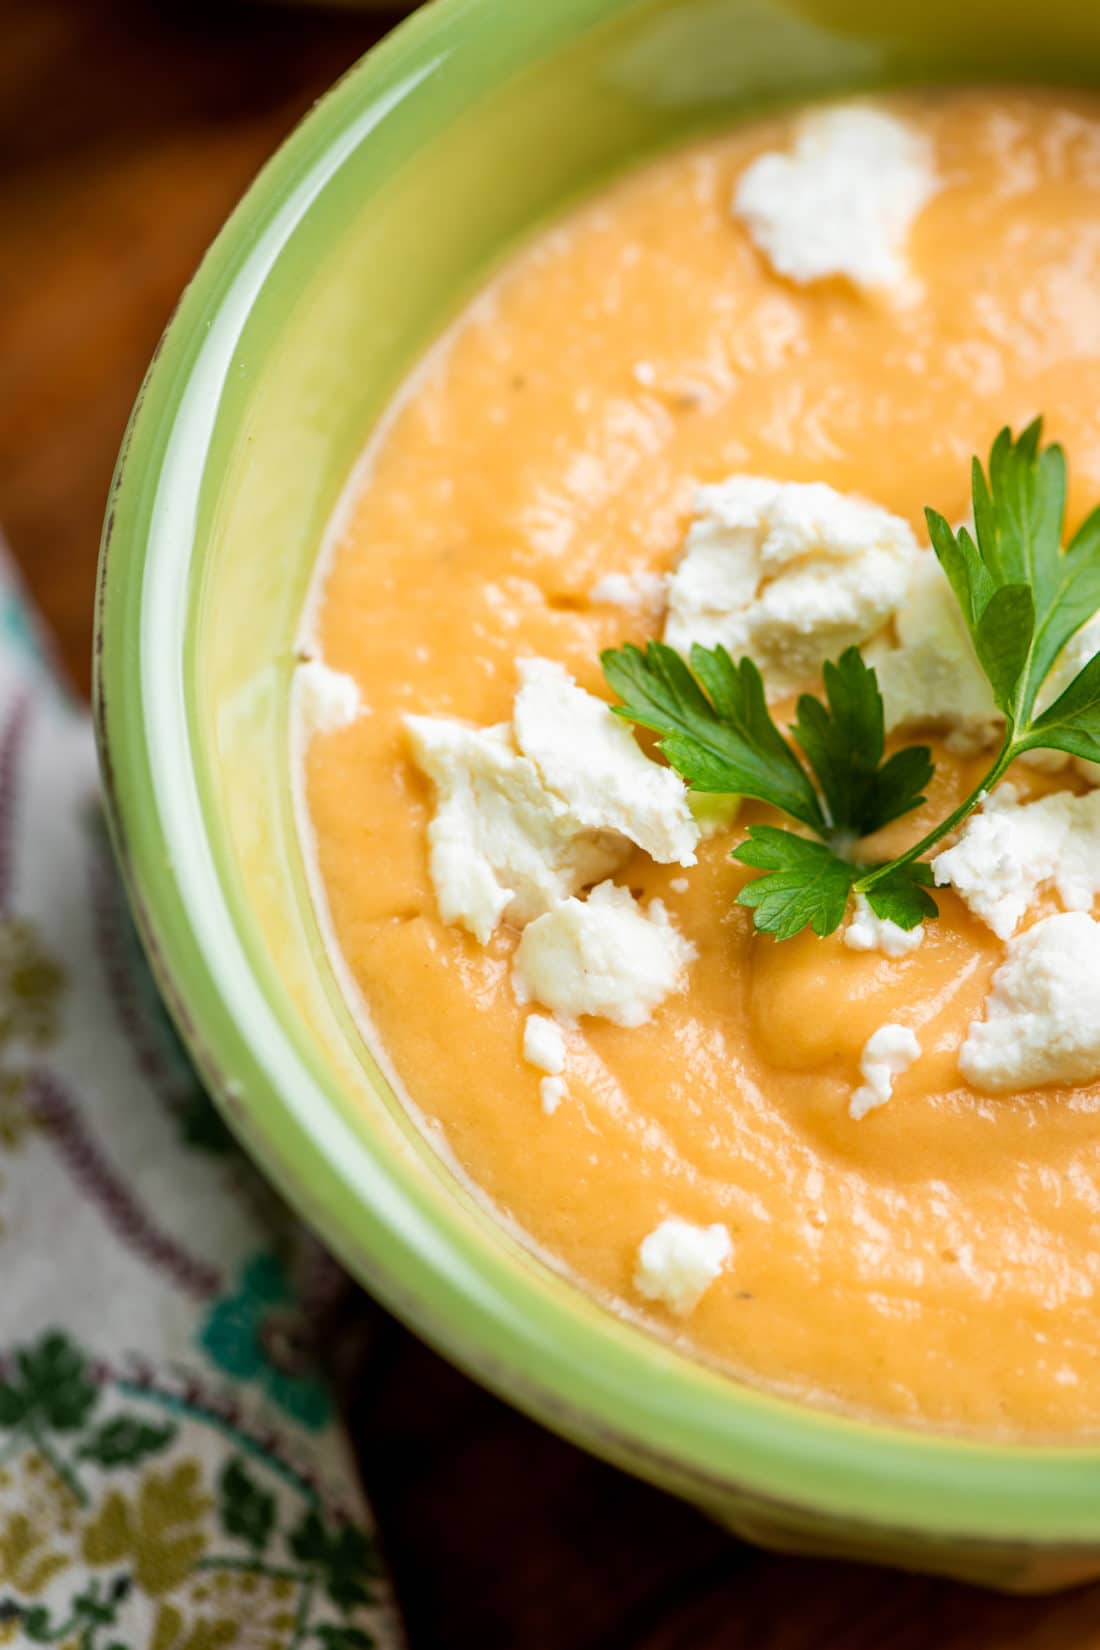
column 726, row 743
column 844, row 740
column 717, row 732
column 808, row 885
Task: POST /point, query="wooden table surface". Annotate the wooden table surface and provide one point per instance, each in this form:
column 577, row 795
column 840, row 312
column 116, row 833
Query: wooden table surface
column 128, row 131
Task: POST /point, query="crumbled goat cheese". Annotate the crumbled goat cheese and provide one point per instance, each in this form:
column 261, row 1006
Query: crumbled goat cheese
column 587, row 756
column 886, row 1054
column 544, row 1044
column 551, row 1093
column 1008, row 850
column 1042, row 1017
column 499, row 843
column 637, row 592
column 866, row 932
column 1080, row 648
column 678, row 1262
column 605, row 955
column 789, row 572
column 528, row 814
column 843, row 201
column 327, row 699
column 932, row 674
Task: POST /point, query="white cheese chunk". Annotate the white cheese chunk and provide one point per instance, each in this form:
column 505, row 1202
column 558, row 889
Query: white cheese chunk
column 886, row 1054
column 499, row 843
column 530, row 813
column 551, row 1093
column 326, row 699
column 1010, row 850
column 677, row 1263
column 932, row 675
column 1080, row 648
column 789, row 572
column 637, row 592
column 588, row 756
column 1042, row 1017
column 843, row 201
column 605, row 956
column 544, row 1044
column 866, row 932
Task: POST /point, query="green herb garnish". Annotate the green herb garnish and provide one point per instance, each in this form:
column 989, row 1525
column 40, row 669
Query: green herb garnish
column 1022, row 596
column 718, row 733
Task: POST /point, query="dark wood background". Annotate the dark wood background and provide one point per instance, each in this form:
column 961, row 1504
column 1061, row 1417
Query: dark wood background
column 127, row 131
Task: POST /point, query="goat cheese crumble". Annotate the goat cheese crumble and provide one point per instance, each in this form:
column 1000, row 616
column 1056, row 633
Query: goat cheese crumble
column 886, row 1054
column 637, row 592
column 606, row 955
column 589, row 758
column 677, row 1263
column 1080, row 648
column 544, row 1044
column 791, row 573
column 1008, row 851
column 843, row 201
column 866, row 932
column 326, row 699
column 931, row 673
column 1042, row 1016
column 526, row 814
column 551, row 1094
column 499, row 844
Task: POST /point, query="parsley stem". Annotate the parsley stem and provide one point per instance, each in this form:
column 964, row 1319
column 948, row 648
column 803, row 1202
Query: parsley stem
column 1007, row 754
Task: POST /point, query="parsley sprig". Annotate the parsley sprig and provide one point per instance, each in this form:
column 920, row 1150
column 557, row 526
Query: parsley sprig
column 717, row 732
column 1022, row 597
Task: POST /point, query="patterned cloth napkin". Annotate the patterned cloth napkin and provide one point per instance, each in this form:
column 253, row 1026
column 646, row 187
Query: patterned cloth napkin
column 173, row 1473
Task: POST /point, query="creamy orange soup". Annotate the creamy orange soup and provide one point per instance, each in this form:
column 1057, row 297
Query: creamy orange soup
column 936, row 1261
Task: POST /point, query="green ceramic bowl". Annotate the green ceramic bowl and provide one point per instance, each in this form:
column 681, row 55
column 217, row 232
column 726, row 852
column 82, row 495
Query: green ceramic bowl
column 469, row 125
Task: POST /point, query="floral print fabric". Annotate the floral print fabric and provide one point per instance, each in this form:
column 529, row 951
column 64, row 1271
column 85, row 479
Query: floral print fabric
column 173, row 1475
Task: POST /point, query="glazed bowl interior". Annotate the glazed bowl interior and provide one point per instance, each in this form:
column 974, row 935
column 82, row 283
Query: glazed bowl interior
column 472, row 125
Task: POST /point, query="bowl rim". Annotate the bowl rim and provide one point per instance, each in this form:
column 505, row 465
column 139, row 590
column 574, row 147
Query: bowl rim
column 637, row 1402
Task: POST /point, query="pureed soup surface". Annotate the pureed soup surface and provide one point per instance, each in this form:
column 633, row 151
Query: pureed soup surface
column 935, row 1261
